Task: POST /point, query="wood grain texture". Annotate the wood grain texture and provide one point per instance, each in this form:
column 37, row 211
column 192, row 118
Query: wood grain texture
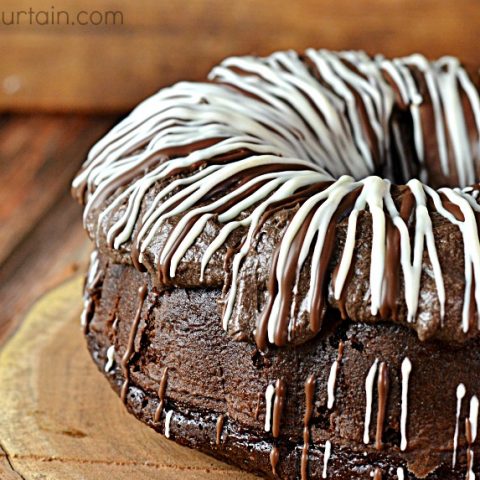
column 59, row 419
column 39, row 155
column 41, row 235
column 112, row 67
column 7, row 471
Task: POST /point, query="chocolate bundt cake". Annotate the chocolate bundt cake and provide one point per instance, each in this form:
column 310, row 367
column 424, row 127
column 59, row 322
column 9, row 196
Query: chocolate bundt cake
column 287, row 262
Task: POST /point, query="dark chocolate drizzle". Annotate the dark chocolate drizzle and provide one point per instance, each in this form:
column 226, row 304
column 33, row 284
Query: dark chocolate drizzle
column 88, row 313
column 469, row 438
column 290, row 277
column 219, row 429
column 90, row 291
column 389, row 306
column 382, row 388
column 341, row 349
column 142, row 293
column 278, row 406
column 274, row 458
column 309, row 395
column 161, row 395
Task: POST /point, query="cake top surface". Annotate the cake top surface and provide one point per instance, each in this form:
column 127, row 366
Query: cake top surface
column 301, row 184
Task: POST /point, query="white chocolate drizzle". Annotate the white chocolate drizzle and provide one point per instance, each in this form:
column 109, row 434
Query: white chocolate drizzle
column 87, row 303
column 90, row 282
column 331, row 384
column 168, row 420
column 470, row 472
column 460, row 394
column 368, row 400
column 332, row 377
column 473, row 417
column 406, row 370
column 93, row 268
column 471, row 434
column 269, row 393
column 469, row 231
column 326, row 457
column 110, row 358
column 400, row 473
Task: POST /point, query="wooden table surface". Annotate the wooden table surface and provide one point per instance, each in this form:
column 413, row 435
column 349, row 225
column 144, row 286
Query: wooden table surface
column 53, row 401
column 41, row 237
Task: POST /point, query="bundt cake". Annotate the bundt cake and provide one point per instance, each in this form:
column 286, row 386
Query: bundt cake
column 286, row 264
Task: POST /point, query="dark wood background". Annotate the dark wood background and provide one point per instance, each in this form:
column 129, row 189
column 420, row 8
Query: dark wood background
column 41, row 237
column 111, row 67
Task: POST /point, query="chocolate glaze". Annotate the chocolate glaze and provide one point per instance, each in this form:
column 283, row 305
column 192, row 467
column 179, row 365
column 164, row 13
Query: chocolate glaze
column 161, row 394
column 389, row 307
column 278, row 406
column 382, row 389
column 378, row 474
column 341, row 349
column 274, row 458
column 309, row 394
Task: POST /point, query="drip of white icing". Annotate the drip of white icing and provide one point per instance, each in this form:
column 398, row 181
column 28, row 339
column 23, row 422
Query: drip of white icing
column 332, row 378
column 168, row 419
column 461, row 391
column 86, row 305
column 331, row 198
column 444, row 78
column 430, row 77
column 412, row 271
column 93, row 268
column 344, row 82
column 406, row 370
column 110, row 358
column 326, row 457
column 472, row 422
column 269, row 393
column 369, row 398
column 474, row 404
column 447, row 82
column 400, row 473
column 471, row 242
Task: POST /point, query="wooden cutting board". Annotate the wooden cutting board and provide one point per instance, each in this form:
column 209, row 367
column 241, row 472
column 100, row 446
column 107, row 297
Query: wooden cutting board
column 59, row 419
